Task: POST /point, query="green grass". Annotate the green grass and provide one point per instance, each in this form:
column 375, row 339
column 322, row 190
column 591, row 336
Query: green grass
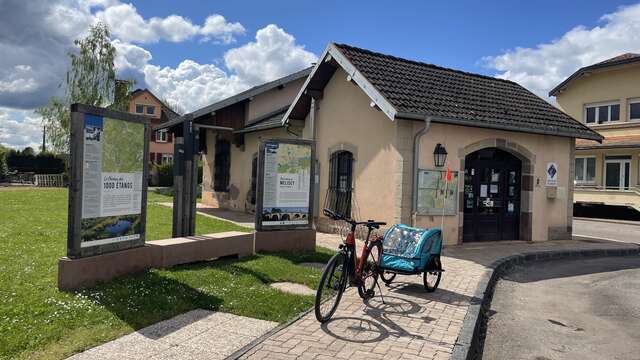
column 38, row 321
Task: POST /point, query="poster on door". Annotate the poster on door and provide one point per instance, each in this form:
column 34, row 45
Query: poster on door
column 552, row 174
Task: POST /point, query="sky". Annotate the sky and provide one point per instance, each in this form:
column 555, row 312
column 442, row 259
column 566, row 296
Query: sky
column 194, row 53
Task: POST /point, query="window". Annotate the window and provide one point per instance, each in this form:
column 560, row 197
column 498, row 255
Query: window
column 151, row 110
column 139, row 109
column 162, row 136
column 167, row 158
column 601, row 114
column 340, row 188
column 634, row 109
column 585, row 170
column 222, row 165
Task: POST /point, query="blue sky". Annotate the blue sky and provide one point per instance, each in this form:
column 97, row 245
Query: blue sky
column 194, row 53
column 453, row 34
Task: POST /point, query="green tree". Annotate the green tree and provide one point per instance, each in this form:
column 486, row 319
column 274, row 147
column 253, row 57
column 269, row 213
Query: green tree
column 91, row 80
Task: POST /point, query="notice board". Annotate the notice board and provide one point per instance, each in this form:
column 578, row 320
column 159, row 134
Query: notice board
column 108, row 180
column 285, row 186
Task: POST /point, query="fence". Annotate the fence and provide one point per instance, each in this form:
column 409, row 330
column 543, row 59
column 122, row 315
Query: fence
column 47, row 180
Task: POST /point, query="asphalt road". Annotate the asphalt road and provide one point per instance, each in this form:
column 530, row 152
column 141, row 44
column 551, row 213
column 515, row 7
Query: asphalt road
column 625, row 231
column 579, row 309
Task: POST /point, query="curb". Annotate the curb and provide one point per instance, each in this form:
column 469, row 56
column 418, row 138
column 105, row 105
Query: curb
column 467, row 345
column 611, row 221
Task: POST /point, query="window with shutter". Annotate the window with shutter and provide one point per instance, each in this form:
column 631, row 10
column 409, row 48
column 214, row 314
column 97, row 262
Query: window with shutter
column 222, row 165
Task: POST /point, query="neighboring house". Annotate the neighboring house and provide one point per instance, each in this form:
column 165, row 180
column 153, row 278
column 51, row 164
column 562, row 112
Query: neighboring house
column 606, row 97
column 144, row 102
column 386, row 131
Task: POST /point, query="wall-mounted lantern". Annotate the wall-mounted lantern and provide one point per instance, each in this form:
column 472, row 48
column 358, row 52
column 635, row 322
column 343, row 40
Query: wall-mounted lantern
column 439, row 155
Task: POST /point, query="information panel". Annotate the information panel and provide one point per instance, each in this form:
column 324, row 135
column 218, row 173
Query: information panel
column 284, row 184
column 108, row 170
column 435, row 194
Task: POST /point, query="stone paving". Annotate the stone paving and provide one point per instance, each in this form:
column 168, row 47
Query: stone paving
column 413, row 324
column 197, row 334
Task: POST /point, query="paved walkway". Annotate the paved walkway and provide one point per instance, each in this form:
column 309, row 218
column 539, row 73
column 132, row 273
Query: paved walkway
column 236, row 217
column 412, row 324
column 197, row 335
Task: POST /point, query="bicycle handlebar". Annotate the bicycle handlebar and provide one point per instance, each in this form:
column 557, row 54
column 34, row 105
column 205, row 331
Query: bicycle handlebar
column 369, row 223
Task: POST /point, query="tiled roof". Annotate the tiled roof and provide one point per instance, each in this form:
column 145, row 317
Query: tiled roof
column 610, row 142
column 418, row 88
column 627, row 56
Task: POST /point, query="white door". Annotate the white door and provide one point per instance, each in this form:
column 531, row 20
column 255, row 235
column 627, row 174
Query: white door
column 616, row 174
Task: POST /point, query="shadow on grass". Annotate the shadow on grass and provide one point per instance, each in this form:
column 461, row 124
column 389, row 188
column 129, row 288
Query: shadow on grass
column 147, row 298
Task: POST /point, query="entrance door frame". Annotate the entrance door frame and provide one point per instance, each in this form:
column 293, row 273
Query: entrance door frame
column 494, row 225
column 528, row 160
column 621, row 174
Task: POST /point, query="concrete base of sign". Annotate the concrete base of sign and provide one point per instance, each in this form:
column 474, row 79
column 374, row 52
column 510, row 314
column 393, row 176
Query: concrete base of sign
column 198, row 248
column 285, row 240
column 86, row 272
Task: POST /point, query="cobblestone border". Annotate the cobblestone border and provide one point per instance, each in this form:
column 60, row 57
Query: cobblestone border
column 467, row 346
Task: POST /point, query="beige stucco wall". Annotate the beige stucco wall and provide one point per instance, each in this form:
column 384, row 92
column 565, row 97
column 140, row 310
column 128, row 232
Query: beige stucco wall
column 546, row 212
column 613, row 85
column 618, row 84
column 344, row 119
column 272, row 100
column 240, row 170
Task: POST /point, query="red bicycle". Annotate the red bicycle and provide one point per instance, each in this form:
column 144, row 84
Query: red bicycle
column 344, row 265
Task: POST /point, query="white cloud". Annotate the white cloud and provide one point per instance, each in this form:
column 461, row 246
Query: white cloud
column 217, row 27
column 541, row 68
column 272, row 55
column 20, row 128
column 126, row 24
column 193, row 85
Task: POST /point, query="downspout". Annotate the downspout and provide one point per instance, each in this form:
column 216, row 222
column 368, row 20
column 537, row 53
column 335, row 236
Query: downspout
column 312, row 119
column 416, row 163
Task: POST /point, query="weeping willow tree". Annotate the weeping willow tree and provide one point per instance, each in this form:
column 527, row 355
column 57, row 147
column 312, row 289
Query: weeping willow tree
column 91, row 79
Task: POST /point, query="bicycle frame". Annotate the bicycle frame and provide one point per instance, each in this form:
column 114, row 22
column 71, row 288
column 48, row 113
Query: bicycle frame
column 355, row 265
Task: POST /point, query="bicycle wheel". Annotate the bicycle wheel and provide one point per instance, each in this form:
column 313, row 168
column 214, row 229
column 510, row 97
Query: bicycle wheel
column 387, row 277
column 370, row 270
column 431, row 280
column 331, row 287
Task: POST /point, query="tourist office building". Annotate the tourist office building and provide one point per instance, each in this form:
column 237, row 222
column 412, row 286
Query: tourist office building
column 387, row 131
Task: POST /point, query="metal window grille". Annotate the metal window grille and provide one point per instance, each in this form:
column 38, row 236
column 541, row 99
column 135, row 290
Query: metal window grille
column 339, row 193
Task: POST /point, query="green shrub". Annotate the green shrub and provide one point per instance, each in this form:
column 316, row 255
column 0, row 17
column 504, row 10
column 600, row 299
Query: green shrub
column 165, row 174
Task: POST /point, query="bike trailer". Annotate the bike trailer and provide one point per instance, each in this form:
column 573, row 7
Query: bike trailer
column 408, row 249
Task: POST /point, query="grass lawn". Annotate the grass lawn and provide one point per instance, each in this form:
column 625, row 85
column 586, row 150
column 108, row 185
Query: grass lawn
column 38, row 321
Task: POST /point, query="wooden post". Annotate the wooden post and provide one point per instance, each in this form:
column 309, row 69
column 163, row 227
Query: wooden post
column 185, row 180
